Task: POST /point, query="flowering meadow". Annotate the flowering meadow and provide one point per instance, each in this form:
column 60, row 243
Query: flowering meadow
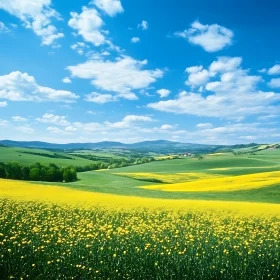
column 49, row 232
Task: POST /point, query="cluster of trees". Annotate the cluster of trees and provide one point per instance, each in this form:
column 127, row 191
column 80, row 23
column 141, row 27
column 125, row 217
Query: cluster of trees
column 114, row 163
column 53, row 173
column 54, row 155
column 236, row 153
column 37, row 172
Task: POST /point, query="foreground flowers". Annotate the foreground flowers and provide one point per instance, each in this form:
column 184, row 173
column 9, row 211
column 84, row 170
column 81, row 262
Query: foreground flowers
column 49, row 237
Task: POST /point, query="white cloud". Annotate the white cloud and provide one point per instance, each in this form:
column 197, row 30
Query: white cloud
column 234, row 94
column 143, row 25
column 275, row 70
column 88, row 127
column 225, row 64
column 129, row 121
column 88, row 24
column 105, row 53
column 100, row 98
column 204, row 125
column 211, row 38
column 70, row 129
column 199, row 78
column 110, row 7
column 18, row 86
column 25, row 129
column 3, row 104
column 55, row 130
column 194, row 69
column 135, row 40
column 91, row 112
column 66, row 80
column 80, row 47
column 52, row 119
column 166, row 127
column 274, row 83
column 163, row 92
column 35, row 15
column 121, row 76
column 3, row 28
column 19, row 119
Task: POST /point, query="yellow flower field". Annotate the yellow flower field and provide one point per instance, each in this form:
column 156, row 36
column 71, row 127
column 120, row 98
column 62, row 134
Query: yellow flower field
column 24, row 191
column 221, row 184
column 170, row 178
column 49, row 232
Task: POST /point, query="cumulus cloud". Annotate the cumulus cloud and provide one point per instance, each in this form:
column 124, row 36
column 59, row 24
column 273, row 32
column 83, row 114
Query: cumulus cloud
column 3, row 104
column 163, row 92
column 274, row 83
column 143, row 25
column 275, row 70
column 199, row 78
column 211, row 38
column 135, row 40
column 194, row 69
column 36, row 15
column 88, row 24
column 18, row 86
column 19, row 119
column 233, row 94
column 166, row 127
column 110, row 7
column 53, row 119
column 121, row 76
column 128, row 121
column 66, row 80
column 100, row 98
column 225, row 64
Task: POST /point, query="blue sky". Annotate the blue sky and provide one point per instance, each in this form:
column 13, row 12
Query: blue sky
column 188, row 71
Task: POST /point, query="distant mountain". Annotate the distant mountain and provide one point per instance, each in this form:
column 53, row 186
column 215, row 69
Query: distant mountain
column 159, row 146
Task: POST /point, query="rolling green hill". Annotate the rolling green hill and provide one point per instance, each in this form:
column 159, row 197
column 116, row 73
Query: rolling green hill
column 29, row 156
column 115, row 182
column 119, row 181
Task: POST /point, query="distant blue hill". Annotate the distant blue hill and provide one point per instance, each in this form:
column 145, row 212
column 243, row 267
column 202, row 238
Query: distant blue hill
column 158, row 146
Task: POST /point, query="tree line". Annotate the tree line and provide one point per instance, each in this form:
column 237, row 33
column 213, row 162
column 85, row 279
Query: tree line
column 54, row 155
column 37, row 172
column 52, row 173
column 113, row 163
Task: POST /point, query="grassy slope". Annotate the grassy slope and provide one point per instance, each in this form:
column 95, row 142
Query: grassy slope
column 15, row 154
column 107, row 182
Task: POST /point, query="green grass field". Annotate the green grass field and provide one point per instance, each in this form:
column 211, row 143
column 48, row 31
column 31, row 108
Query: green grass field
column 112, row 181
column 8, row 154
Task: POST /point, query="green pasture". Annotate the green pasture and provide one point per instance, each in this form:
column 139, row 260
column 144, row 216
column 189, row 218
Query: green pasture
column 112, row 181
column 8, row 154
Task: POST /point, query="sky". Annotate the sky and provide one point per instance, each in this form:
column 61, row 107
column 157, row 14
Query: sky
column 194, row 71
